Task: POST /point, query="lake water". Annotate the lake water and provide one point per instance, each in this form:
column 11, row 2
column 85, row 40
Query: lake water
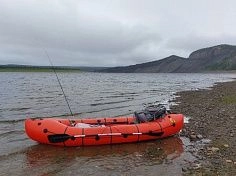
column 25, row 95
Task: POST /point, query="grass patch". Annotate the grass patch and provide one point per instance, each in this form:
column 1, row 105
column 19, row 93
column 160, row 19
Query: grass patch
column 219, row 143
column 231, row 99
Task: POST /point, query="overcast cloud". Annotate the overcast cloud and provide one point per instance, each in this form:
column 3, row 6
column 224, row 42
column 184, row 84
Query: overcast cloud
column 111, row 32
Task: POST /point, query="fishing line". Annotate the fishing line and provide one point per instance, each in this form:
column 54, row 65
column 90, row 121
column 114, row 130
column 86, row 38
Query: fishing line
column 54, row 70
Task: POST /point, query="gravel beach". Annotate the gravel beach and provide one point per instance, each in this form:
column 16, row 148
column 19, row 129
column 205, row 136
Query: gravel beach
column 212, row 116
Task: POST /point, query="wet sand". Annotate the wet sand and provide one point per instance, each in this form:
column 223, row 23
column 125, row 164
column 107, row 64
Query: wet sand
column 212, row 116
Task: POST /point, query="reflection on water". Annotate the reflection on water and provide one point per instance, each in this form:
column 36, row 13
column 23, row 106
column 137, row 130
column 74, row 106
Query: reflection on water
column 115, row 159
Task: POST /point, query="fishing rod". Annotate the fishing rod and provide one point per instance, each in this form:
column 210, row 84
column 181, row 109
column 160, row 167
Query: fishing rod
column 54, row 70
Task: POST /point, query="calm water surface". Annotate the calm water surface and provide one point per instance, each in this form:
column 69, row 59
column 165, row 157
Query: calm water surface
column 25, row 95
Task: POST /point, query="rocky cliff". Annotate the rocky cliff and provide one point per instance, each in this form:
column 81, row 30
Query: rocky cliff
column 216, row 58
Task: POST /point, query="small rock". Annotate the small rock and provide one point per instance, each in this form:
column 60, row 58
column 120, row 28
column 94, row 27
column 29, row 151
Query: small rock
column 234, row 162
column 184, row 131
column 197, row 166
column 109, row 167
column 193, row 137
column 232, row 117
column 209, row 154
column 199, row 136
column 213, row 149
column 231, row 135
column 222, row 110
column 226, row 145
column 206, row 141
column 184, row 169
column 228, row 161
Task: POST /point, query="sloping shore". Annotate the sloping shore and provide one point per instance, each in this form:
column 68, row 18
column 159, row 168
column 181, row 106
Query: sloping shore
column 212, row 116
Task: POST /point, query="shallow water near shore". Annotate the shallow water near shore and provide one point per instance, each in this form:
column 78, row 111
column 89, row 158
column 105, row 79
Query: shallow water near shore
column 91, row 95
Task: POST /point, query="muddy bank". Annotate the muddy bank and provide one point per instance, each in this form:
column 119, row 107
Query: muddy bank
column 212, row 116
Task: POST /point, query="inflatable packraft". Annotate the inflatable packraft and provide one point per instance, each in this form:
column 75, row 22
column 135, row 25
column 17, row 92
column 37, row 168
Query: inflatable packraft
column 145, row 125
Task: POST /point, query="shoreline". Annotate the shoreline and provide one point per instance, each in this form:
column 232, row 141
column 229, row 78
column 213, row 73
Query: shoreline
column 212, row 115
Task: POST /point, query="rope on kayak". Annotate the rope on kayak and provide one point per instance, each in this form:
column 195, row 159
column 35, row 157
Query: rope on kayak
column 57, row 138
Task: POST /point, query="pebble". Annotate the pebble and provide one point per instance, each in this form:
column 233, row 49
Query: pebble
column 206, row 141
column 199, row 136
column 228, row 161
column 109, row 167
column 232, row 117
column 226, row 145
column 193, row 137
column 213, row 149
column 231, row 135
column 197, row 166
column 184, row 169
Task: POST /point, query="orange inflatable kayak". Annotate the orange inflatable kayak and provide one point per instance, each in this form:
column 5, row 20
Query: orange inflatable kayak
column 100, row 131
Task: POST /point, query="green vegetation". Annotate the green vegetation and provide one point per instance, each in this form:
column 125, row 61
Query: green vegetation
column 225, row 64
column 20, row 68
column 219, row 143
column 231, row 99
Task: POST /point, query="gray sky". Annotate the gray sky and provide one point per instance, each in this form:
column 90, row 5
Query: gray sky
column 111, row 32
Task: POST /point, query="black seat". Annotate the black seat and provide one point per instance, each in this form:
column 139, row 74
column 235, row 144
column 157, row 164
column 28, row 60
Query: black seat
column 156, row 111
column 150, row 113
column 142, row 117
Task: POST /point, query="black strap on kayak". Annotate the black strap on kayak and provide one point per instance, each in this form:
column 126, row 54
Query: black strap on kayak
column 65, row 133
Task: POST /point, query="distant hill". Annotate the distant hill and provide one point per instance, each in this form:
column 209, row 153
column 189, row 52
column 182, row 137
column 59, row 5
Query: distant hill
column 32, row 68
column 92, row 69
column 216, row 58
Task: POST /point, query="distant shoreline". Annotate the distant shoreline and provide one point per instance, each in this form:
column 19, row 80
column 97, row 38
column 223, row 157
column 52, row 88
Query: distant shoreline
column 32, row 68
